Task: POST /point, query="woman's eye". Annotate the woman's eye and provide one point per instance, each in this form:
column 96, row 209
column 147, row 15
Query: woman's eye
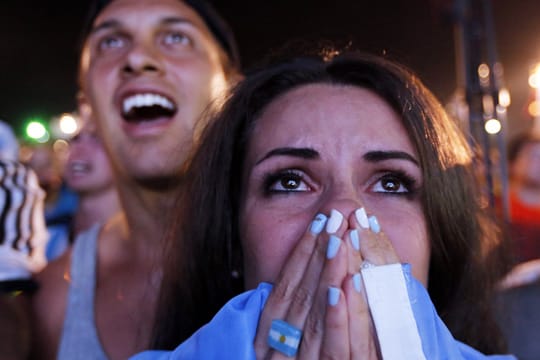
column 174, row 38
column 287, row 182
column 111, row 42
column 392, row 184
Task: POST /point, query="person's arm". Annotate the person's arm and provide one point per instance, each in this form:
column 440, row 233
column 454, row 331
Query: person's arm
column 15, row 327
column 22, row 240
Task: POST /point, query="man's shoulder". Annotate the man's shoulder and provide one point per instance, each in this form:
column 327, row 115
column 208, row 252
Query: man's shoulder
column 49, row 305
column 53, row 281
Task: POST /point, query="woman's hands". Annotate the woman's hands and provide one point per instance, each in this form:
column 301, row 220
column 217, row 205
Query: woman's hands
column 320, row 292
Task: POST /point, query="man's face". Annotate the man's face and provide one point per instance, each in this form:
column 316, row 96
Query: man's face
column 148, row 70
column 87, row 170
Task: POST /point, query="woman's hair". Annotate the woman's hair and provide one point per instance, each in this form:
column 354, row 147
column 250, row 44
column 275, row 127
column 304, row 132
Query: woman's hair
column 204, row 256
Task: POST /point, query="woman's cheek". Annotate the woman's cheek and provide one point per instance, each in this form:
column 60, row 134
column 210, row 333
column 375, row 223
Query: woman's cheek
column 269, row 239
column 409, row 238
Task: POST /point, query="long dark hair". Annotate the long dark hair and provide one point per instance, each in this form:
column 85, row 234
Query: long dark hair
column 204, row 257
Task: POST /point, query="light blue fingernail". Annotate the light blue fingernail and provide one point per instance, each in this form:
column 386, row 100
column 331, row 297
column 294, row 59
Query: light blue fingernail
column 333, row 296
column 333, row 246
column 355, row 239
column 333, row 224
column 374, row 224
column 317, row 225
column 357, row 282
column 362, row 218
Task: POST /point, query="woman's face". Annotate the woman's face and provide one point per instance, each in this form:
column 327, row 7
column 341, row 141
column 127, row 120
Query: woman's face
column 321, row 147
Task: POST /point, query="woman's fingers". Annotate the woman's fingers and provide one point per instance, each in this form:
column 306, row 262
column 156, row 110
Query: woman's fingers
column 290, row 277
column 320, row 326
column 354, row 259
column 319, row 290
column 363, row 344
column 336, row 342
column 375, row 247
column 297, row 286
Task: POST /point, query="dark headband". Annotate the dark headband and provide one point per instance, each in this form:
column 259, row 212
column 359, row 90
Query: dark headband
column 215, row 23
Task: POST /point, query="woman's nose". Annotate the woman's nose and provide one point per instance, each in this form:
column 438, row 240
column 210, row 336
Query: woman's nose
column 347, row 204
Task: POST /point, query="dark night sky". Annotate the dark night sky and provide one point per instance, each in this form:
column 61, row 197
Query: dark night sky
column 39, row 43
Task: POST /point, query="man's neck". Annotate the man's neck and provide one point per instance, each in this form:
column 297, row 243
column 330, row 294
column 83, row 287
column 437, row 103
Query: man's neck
column 95, row 208
column 146, row 212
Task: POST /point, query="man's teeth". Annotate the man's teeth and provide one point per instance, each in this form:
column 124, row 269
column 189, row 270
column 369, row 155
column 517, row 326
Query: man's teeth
column 141, row 100
column 79, row 167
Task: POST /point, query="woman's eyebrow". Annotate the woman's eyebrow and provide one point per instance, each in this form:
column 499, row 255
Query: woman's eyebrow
column 375, row 156
column 305, row 153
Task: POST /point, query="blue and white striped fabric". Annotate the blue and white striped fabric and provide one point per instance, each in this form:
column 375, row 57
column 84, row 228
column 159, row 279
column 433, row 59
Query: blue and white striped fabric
column 23, row 234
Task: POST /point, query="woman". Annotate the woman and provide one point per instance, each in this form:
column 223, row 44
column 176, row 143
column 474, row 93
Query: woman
column 314, row 169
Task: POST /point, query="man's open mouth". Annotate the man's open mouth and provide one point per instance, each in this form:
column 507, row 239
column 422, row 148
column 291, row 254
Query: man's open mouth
column 147, row 107
column 79, row 167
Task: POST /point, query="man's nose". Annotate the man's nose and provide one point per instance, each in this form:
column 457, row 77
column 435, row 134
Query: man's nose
column 142, row 58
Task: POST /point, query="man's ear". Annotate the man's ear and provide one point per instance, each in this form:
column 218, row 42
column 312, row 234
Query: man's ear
column 234, row 79
column 85, row 111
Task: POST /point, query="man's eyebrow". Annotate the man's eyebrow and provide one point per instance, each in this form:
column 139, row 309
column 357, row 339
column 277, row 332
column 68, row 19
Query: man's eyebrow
column 105, row 25
column 375, row 156
column 176, row 20
column 170, row 20
column 304, row 153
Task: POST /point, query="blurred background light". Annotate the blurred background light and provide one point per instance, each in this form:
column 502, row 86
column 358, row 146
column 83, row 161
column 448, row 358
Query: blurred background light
column 37, row 131
column 68, row 124
column 493, row 126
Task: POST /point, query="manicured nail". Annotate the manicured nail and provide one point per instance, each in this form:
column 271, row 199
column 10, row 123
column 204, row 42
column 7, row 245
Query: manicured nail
column 334, row 222
column 374, row 224
column 333, row 296
column 362, row 218
column 317, row 225
column 333, row 246
column 355, row 239
column 357, row 282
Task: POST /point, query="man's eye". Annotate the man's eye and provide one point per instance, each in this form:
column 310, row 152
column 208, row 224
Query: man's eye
column 392, row 184
column 287, row 182
column 174, row 38
column 111, row 42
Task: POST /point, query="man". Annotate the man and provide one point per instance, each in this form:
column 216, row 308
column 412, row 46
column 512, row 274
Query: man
column 60, row 201
column 149, row 70
column 88, row 173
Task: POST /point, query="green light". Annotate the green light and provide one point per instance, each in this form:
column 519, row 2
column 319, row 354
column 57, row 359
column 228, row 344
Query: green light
column 35, row 130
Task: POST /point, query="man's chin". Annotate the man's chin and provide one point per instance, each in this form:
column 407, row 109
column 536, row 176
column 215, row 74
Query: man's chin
column 160, row 183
